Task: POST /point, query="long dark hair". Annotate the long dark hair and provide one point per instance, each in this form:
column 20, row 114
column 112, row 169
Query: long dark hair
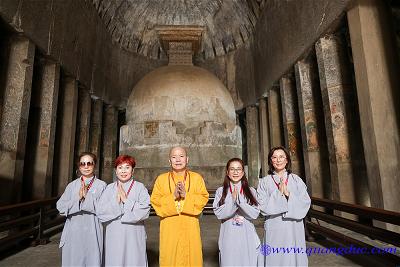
column 289, row 160
column 245, row 185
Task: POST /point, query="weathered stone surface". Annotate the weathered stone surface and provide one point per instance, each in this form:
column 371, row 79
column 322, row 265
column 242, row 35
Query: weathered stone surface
column 42, row 162
column 291, row 126
column 72, row 33
column 8, row 9
column 4, row 55
column 110, row 135
column 264, row 135
column 71, row 45
column 330, row 57
column 181, row 106
column 101, row 50
column 315, row 154
column 287, row 29
column 150, row 145
column 275, row 117
column 87, row 53
column 65, row 135
column 188, row 94
column 253, row 146
column 245, row 85
column 231, row 77
column 14, row 120
column 132, row 23
column 348, row 183
column 96, row 131
column 83, row 132
column 37, row 21
column 376, row 72
column 236, row 72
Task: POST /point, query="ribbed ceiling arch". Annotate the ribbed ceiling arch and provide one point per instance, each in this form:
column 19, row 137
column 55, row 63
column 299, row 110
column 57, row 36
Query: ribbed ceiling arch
column 228, row 24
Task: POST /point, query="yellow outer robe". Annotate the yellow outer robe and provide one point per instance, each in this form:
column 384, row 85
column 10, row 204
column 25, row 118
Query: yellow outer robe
column 180, row 240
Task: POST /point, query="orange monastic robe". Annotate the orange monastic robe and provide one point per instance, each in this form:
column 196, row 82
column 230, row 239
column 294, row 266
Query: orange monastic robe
column 180, row 241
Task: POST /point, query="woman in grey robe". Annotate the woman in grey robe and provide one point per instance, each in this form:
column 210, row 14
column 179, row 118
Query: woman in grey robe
column 122, row 208
column 285, row 202
column 236, row 206
column 82, row 237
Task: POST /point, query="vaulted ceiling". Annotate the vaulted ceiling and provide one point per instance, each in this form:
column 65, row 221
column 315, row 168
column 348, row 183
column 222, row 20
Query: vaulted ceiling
column 228, row 24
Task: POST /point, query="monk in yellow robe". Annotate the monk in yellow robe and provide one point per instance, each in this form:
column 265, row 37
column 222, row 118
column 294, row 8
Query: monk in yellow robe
column 178, row 198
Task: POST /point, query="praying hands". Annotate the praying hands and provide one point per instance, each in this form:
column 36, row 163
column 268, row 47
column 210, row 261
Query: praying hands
column 82, row 191
column 180, row 191
column 121, row 194
column 234, row 194
column 283, row 188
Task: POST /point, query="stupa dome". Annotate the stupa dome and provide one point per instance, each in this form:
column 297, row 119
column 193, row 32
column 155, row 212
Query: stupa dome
column 184, row 94
column 181, row 105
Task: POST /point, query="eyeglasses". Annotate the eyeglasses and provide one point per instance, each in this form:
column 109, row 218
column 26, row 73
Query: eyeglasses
column 235, row 170
column 276, row 158
column 88, row 164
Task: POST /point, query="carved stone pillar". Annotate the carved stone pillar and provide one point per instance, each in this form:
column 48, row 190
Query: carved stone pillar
column 110, row 132
column 291, row 127
column 253, row 158
column 316, row 159
column 14, row 117
column 264, row 135
column 66, row 131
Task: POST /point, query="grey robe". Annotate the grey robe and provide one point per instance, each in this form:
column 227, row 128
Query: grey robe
column 238, row 245
column 284, row 220
column 125, row 235
column 82, row 236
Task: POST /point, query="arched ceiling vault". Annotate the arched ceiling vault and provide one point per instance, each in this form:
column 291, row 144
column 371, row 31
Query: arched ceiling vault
column 228, row 24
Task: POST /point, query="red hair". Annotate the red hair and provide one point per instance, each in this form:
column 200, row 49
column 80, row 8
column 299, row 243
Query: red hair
column 125, row 159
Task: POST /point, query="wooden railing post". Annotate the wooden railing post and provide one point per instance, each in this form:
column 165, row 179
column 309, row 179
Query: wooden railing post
column 40, row 238
column 41, row 222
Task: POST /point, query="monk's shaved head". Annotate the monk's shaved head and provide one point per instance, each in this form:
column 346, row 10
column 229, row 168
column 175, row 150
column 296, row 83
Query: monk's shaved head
column 177, row 149
column 178, row 158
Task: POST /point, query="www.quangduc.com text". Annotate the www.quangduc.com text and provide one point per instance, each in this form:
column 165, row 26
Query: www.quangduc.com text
column 350, row 250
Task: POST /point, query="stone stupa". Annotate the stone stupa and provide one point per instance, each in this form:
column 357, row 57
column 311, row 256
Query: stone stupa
column 181, row 105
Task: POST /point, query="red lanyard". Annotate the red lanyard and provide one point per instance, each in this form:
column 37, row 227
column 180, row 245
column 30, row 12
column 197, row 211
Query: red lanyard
column 90, row 183
column 230, row 189
column 171, row 174
column 277, row 185
column 130, row 187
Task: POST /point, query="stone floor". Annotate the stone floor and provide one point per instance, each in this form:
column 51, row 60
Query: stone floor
column 49, row 255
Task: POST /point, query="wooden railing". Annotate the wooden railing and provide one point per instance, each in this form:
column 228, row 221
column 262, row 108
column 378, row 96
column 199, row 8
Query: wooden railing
column 359, row 225
column 208, row 209
column 35, row 220
column 39, row 220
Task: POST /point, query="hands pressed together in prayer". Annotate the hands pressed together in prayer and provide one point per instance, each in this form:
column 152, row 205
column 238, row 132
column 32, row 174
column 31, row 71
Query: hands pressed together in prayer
column 82, row 191
column 121, row 194
column 283, row 188
column 234, row 194
column 180, row 191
